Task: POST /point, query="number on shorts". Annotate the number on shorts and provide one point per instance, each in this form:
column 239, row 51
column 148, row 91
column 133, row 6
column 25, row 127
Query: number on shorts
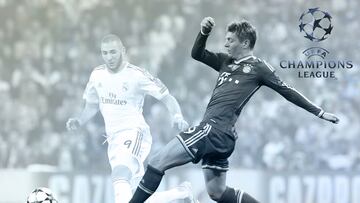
column 190, row 130
column 128, row 143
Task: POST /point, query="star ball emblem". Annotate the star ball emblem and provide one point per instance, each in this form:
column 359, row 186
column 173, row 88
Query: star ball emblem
column 315, row 24
column 247, row 68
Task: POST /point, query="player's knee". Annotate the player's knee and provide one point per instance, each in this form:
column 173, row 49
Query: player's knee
column 125, row 167
column 156, row 162
column 121, row 172
column 215, row 192
column 215, row 196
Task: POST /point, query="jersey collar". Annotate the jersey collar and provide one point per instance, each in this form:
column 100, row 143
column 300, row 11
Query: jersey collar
column 123, row 66
column 237, row 62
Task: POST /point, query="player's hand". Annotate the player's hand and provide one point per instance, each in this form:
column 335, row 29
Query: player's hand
column 73, row 124
column 330, row 117
column 206, row 25
column 180, row 123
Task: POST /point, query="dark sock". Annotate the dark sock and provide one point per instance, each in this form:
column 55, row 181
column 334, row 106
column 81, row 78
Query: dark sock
column 235, row 196
column 148, row 185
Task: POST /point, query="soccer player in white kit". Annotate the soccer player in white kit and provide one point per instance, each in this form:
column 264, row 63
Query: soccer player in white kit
column 117, row 88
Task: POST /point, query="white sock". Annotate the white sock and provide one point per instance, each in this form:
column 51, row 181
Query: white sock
column 123, row 192
column 176, row 193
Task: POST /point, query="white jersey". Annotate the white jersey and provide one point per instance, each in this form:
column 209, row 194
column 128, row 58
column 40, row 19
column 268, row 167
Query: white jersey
column 121, row 95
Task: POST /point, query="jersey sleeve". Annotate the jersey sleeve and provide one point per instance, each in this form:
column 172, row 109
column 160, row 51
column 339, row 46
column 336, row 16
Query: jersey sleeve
column 152, row 85
column 270, row 79
column 199, row 53
column 90, row 94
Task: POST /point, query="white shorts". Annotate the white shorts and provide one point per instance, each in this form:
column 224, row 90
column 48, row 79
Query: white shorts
column 127, row 144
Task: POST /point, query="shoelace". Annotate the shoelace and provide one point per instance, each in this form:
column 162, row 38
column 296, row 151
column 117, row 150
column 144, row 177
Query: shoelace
column 106, row 138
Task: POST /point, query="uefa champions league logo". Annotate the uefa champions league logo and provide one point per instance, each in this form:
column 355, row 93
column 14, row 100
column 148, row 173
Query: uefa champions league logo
column 315, row 52
column 315, row 24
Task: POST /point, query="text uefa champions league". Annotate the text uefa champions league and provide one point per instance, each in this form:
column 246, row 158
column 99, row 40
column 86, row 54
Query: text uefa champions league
column 316, row 69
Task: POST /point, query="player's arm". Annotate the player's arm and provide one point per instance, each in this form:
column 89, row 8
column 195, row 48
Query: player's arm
column 199, row 52
column 154, row 87
column 270, row 79
column 91, row 106
column 174, row 108
column 89, row 111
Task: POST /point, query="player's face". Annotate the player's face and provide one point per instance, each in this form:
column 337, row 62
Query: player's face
column 112, row 53
column 233, row 45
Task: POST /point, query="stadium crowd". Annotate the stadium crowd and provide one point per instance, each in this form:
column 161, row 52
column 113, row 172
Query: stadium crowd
column 49, row 49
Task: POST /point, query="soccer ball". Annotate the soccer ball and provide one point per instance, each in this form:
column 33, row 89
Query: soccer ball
column 315, row 24
column 41, row 195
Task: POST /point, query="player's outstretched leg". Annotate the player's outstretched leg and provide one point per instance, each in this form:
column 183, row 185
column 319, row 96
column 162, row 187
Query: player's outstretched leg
column 172, row 155
column 218, row 191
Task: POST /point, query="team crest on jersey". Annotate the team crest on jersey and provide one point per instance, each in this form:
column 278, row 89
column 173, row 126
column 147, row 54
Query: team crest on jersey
column 247, row 68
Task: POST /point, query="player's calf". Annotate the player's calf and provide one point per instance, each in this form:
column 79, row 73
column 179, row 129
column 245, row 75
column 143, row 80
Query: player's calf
column 121, row 176
column 148, row 185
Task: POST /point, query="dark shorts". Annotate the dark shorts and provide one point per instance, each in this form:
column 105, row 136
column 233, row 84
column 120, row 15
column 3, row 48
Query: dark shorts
column 209, row 144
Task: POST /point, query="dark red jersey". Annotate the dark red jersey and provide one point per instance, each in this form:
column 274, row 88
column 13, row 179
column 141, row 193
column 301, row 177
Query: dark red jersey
column 238, row 80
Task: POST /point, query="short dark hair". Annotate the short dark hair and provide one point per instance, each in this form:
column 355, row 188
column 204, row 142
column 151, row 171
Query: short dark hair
column 111, row 38
column 244, row 30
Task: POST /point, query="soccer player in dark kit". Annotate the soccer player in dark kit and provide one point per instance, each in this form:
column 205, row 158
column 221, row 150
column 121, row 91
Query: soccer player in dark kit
column 241, row 74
